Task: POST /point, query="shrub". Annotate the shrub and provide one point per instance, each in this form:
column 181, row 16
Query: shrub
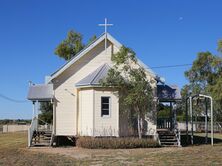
column 115, row 143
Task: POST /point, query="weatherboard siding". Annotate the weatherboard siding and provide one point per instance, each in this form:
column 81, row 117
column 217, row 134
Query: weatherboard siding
column 66, row 93
column 86, row 108
column 68, row 120
column 106, row 126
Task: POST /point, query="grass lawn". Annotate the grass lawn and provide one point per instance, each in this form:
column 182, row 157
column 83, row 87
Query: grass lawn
column 13, row 151
column 216, row 135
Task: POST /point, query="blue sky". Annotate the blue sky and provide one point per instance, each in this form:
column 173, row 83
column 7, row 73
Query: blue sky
column 160, row 32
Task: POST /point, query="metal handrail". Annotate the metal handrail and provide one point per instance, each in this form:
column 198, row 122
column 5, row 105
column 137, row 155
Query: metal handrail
column 219, row 125
column 42, row 121
column 178, row 136
column 158, row 138
column 34, row 127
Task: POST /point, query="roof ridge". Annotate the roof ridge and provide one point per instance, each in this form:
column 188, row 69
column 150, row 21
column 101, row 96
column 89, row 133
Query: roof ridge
column 86, row 46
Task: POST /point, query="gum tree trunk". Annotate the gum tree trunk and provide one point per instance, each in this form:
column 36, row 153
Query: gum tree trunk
column 139, row 126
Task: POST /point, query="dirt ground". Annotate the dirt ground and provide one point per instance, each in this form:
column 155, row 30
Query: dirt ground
column 88, row 154
column 14, row 151
column 196, row 155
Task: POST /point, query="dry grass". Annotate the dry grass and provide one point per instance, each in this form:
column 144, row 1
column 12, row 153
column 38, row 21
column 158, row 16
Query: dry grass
column 13, row 151
column 216, row 135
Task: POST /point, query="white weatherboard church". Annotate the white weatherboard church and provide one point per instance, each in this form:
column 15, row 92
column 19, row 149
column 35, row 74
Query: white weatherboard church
column 81, row 107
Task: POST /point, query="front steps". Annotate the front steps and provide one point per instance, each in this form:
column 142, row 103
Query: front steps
column 167, row 138
column 41, row 138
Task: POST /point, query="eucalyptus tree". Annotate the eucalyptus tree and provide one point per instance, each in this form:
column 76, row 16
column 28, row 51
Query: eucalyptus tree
column 219, row 48
column 70, row 46
column 73, row 44
column 205, row 77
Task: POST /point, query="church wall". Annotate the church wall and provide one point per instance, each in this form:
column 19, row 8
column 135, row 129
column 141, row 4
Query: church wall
column 106, row 126
column 66, row 93
column 86, row 112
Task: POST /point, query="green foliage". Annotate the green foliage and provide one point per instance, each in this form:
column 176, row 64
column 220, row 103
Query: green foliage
column 70, row 46
column 92, row 39
column 124, row 56
column 135, row 91
column 46, row 114
column 202, row 72
column 73, row 44
column 16, row 121
column 163, row 111
column 205, row 77
column 219, row 48
column 115, row 143
column 134, row 87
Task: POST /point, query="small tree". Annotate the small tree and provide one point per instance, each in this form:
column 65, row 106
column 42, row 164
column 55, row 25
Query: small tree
column 70, row 46
column 219, row 46
column 93, row 38
column 135, row 91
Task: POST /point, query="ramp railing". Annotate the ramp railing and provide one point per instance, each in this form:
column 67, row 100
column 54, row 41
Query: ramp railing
column 33, row 127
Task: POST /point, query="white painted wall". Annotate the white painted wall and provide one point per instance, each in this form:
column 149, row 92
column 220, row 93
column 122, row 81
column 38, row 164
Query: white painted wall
column 67, row 101
column 15, row 128
column 66, row 93
column 86, row 108
column 106, row 126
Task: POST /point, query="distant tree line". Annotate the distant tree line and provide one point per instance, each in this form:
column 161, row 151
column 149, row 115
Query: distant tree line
column 16, row 121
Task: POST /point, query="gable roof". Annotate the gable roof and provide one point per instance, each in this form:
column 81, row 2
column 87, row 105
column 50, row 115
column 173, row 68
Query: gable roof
column 93, row 78
column 90, row 47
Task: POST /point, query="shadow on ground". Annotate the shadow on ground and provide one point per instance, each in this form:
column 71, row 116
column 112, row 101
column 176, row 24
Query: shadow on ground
column 197, row 140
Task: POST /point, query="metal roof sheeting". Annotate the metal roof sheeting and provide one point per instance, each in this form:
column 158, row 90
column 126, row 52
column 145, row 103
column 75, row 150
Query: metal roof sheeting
column 168, row 92
column 43, row 92
column 93, row 78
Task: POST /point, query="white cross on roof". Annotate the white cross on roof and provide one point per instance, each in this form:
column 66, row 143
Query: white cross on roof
column 105, row 26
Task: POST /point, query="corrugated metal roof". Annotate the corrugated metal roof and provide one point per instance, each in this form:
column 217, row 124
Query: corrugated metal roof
column 93, row 78
column 168, row 92
column 43, row 92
